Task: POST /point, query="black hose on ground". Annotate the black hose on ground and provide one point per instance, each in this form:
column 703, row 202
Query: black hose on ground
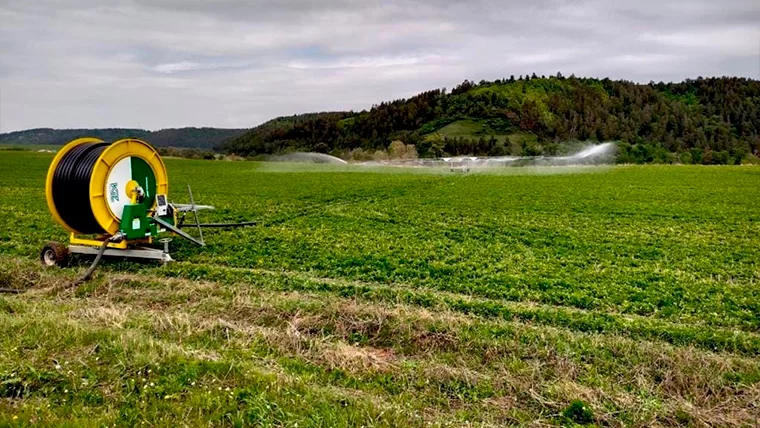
column 93, row 266
column 241, row 224
column 116, row 238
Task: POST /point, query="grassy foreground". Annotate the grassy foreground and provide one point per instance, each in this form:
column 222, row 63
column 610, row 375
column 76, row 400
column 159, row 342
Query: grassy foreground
column 624, row 297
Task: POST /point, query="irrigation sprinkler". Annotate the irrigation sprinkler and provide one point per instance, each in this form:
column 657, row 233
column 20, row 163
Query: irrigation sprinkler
column 113, row 200
column 460, row 164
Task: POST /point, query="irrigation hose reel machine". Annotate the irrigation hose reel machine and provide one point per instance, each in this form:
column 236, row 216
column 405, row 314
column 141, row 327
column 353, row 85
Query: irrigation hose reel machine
column 113, row 199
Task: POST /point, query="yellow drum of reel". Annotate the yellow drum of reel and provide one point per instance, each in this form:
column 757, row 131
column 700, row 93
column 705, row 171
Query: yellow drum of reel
column 89, row 183
column 121, row 164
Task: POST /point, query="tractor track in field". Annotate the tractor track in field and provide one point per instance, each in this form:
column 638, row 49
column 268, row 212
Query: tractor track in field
column 296, row 334
column 712, row 338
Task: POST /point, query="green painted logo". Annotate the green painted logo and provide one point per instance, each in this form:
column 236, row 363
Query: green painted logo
column 113, row 192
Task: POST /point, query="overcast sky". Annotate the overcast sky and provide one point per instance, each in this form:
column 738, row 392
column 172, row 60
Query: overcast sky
column 171, row 63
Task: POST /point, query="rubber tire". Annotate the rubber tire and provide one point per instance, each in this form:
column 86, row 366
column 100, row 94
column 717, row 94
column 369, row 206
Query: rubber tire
column 54, row 254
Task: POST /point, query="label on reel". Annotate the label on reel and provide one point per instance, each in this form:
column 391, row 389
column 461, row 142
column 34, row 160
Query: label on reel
column 123, row 178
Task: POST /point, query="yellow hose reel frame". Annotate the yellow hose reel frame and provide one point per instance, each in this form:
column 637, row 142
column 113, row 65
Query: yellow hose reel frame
column 117, row 151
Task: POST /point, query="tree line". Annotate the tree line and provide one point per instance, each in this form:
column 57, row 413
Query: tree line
column 200, row 138
column 703, row 120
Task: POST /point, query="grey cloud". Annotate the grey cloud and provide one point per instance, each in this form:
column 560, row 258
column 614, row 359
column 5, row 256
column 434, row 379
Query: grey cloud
column 164, row 63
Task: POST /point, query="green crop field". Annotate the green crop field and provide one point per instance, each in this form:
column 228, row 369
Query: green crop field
column 619, row 296
column 29, row 147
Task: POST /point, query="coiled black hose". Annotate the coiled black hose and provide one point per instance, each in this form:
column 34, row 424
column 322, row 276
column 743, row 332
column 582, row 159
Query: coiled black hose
column 71, row 187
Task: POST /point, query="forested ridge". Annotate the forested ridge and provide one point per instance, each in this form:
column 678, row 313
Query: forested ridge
column 703, row 120
column 201, row 138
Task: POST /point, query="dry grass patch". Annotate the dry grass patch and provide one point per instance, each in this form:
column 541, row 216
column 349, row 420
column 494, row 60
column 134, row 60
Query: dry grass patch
column 454, row 364
column 358, row 359
column 107, row 316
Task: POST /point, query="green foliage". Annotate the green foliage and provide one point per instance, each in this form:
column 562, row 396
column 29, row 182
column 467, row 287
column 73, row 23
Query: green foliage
column 5, row 306
column 682, row 93
column 656, row 119
column 189, row 153
column 579, row 412
column 685, row 158
column 201, row 138
column 435, row 125
column 498, row 125
column 462, row 128
column 649, row 153
column 696, row 155
column 432, row 145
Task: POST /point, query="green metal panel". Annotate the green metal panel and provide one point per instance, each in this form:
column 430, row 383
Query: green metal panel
column 135, row 223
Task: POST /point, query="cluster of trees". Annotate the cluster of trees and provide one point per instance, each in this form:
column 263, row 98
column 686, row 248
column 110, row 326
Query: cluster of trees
column 50, row 136
column 186, row 152
column 491, row 145
column 647, row 153
column 532, row 115
column 201, row 138
column 396, row 151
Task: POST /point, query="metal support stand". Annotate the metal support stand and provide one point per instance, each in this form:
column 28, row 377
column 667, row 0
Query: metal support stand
column 134, row 253
column 166, row 242
column 195, row 213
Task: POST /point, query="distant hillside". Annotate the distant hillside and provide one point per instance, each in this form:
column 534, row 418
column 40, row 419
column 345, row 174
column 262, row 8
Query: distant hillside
column 289, row 132
column 706, row 120
column 204, row 138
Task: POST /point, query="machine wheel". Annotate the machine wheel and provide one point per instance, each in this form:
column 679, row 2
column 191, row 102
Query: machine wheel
column 54, row 254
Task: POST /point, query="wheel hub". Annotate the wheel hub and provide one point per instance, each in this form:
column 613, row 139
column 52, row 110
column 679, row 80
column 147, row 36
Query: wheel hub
column 49, row 257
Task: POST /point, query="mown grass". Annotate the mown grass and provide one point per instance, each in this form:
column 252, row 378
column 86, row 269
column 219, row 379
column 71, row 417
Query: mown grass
column 394, row 299
column 475, row 129
column 461, row 128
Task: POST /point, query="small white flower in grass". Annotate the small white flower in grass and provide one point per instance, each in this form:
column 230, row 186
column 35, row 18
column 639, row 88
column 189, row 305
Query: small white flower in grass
column 227, row 389
column 65, row 391
column 152, row 384
column 220, row 388
column 192, row 384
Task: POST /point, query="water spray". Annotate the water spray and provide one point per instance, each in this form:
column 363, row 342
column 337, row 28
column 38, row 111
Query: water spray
column 593, row 155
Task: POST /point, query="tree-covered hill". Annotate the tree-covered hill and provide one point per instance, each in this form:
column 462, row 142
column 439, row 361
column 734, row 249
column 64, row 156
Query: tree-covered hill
column 707, row 120
column 285, row 132
column 204, row 138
